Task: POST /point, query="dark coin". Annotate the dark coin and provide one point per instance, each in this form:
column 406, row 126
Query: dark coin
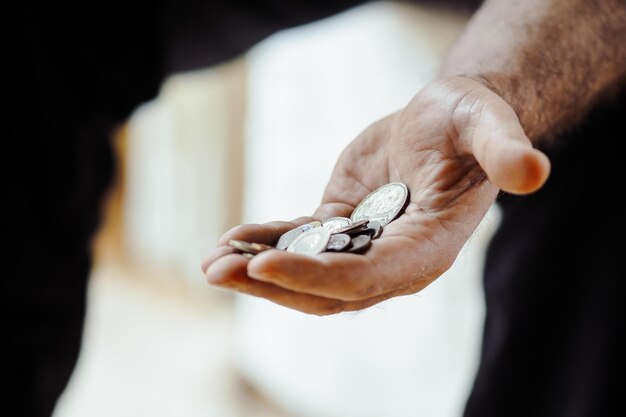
column 337, row 243
column 374, row 229
column 359, row 243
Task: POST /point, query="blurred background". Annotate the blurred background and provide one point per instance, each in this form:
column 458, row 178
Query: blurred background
column 255, row 140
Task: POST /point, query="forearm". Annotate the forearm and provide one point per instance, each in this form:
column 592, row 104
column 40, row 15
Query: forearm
column 551, row 60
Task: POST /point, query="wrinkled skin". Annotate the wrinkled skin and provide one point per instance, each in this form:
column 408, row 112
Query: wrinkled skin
column 454, row 145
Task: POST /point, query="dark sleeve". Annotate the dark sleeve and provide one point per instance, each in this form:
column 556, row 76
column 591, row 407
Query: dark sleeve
column 554, row 284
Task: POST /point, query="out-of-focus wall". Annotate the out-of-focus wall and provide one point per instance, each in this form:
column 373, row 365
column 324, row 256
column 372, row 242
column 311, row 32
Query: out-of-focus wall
column 184, row 183
column 156, row 340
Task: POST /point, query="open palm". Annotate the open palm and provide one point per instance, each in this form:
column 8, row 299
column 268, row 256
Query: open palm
column 454, row 145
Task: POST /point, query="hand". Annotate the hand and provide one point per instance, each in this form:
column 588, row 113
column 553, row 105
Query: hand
column 454, row 145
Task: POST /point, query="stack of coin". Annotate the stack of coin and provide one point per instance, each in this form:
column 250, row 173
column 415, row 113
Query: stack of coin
column 340, row 234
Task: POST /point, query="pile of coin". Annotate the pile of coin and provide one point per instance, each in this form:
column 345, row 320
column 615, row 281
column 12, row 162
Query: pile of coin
column 340, row 234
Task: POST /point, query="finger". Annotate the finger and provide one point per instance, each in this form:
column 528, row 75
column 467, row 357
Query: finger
column 388, row 266
column 215, row 255
column 230, row 272
column 305, row 303
column 260, row 233
column 312, row 275
column 499, row 144
column 225, row 271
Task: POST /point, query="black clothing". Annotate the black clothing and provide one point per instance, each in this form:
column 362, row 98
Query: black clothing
column 72, row 71
column 555, row 284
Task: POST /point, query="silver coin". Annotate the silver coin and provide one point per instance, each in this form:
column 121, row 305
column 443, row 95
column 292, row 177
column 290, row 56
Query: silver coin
column 338, row 242
column 248, row 255
column 249, row 247
column 288, row 237
column 311, row 242
column 359, row 243
column 383, row 204
column 335, row 223
column 351, row 228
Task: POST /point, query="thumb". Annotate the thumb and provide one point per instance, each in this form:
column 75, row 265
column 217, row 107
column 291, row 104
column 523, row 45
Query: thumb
column 494, row 135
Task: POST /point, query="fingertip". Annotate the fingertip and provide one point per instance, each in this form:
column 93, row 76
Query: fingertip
column 215, row 254
column 226, row 269
column 537, row 171
column 205, row 265
column 523, row 170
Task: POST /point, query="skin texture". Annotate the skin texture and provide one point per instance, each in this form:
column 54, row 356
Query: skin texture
column 456, row 144
column 551, row 60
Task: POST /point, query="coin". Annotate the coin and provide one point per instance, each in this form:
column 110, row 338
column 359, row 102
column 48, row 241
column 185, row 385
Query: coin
column 287, row 238
column 374, row 229
column 354, row 227
column 359, row 243
column 248, row 255
column 249, row 247
column 366, row 223
column 335, row 223
column 338, row 242
column 383, row 204
column 311, row 242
